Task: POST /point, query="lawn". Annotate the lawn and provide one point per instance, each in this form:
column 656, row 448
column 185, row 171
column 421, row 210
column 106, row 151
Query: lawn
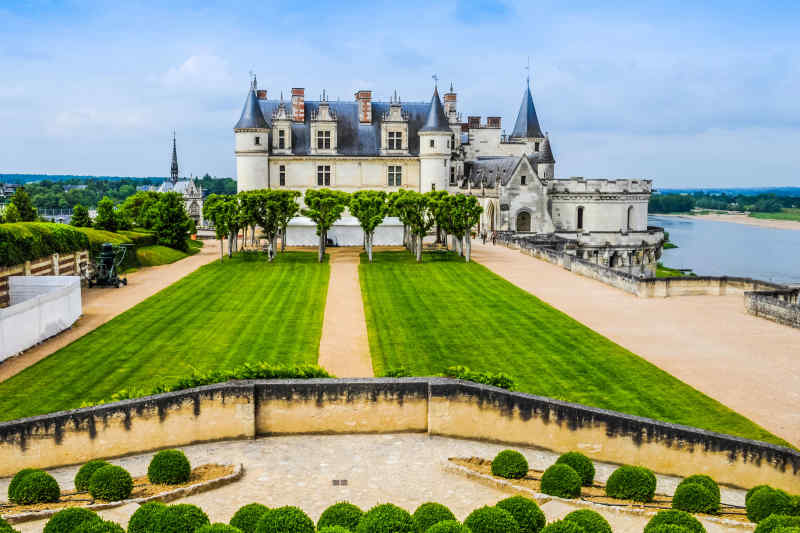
column 784, row 214
column 444, row 312
column 222, row 315
column 162, row 255
column 667, row 272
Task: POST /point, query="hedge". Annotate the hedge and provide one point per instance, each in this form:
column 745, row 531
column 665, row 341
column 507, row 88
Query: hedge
column 677, row 518
column 581, row 464
column 169, row 467
column 68, row 519
column 144, row 519
column 334, row 529
column 526, row 512
column 247, row 517
column 562, row 481
column 37, row 487
column 288, row 519
column 430, row 513
column 590, row 521
column 85, row 474
column 491, row 520
column 111, row 483
column 386, row 518
column 510, row 464
column 343, row 514
column 631, row 483
column 26, row 241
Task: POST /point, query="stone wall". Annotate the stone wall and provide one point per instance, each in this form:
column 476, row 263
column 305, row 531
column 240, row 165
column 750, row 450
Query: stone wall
column 782, row 306
column 53, row 265
column 437, row 406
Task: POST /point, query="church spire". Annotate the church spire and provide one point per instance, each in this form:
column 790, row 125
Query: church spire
column 174, row 169
column 436, row 121
column 527, row 124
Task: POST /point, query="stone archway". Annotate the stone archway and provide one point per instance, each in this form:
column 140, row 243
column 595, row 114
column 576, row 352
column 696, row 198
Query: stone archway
column 490, row 216
column 523, row 222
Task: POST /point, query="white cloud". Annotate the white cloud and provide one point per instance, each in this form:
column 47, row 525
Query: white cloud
column 199, row 71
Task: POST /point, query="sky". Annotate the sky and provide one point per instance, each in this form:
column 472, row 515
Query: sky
column 689, row 94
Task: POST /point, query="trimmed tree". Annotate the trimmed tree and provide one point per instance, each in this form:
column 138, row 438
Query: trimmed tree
column 105, row 219
column 214, row 210
column 171, row 224
column 80, row 217
column 324, row 208
column 416, row 209
column 369, row 207
column 265, row 206
column 288, row 209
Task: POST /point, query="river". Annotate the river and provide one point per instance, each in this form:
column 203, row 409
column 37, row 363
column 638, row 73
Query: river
column 714, row 248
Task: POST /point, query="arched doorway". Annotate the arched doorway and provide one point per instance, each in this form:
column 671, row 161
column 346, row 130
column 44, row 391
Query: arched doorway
column 523, row 222
column 490, row 216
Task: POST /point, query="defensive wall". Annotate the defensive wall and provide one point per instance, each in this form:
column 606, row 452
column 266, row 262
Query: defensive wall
column 436, row 406
column 53, row 265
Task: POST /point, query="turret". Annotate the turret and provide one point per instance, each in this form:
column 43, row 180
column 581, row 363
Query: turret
column 526, row 127
column 252, row 145
column 435, row 147
column 545, row 166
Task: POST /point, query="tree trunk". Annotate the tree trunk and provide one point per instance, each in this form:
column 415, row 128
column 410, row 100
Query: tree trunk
column 221, row 250
column 419, row 248
column 275, row 244
column 283, row 240
column 369, row 247
column 321, row 246
column 469, row 246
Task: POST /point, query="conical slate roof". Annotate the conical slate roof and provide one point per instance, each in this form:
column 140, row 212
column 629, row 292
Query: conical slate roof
column 547, row 153
column 436, row 120
column 251, row 113
column 527, row 124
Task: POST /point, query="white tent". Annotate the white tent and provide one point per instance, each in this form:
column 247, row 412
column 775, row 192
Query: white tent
column 346, row 232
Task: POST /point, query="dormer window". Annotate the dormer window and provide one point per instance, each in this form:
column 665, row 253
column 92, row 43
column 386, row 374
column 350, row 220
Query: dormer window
column 281, row 138
column 257, row 140
column 522, row 180
column 395, row 140
column 323, row 140
column 432, row 143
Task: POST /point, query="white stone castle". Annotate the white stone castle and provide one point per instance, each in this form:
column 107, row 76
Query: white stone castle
column 425, row 146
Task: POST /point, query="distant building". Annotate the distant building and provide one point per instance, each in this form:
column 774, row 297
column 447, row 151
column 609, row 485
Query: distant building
column 191, row 192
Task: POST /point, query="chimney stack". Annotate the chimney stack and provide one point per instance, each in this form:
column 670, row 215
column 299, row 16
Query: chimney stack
column 298, row 104
column 450, row 104
column 493, row 122
column 261, row 94
column 364, row 99
column 474, row 122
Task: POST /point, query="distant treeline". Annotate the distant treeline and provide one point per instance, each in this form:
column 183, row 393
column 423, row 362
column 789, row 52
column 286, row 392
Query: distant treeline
column 760, row 203
column 745, row 191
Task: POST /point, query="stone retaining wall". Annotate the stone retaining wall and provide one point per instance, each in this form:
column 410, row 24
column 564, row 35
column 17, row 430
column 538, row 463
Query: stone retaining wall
column 53, row 265
column 436, row 406
column 782, row 306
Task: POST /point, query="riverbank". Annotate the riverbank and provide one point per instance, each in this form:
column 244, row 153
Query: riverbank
column 742, row 219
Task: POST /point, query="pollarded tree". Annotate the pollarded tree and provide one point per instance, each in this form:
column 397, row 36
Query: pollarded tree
column 171, row 224
column 265, row 205
column 214, row 210
column 416, row 208
column 369, row 207
column 80, row 217
column 21, row 200
column 394, row 210
column 469, row 213
column 436, row 199
column 248, row 201
column 106, row 218
column 324, row 208
column 288, row 209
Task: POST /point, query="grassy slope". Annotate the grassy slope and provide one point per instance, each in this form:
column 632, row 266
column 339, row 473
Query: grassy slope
column 444, row 312
column 785, row 214
column 223, row 315
column 162, row 255
column 667, row 272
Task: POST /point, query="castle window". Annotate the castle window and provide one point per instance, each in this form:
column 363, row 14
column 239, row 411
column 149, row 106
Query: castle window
column 395, row 140
column 281, row 138
column 257, row 140
column 536, row 146
column 580, row 218
column 522, row 179
column 432, row 143
column 395, row 175
column 323, row 140
column 433, row 186
column 323, row 175
column 452, row 175
column 282, row 174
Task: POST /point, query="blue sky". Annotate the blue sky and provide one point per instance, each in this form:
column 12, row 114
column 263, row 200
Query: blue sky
column 688, row 94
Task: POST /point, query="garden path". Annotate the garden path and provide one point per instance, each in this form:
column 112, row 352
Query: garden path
column 101, row 304
column 748, row 363
column 344, row 347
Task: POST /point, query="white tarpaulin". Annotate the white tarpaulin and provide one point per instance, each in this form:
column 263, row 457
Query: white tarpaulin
column 40, row 307
column 346, row 232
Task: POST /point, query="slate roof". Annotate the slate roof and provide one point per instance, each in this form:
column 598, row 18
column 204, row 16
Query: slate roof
column 436, row 121
column 546, row 153
column 492, row 169
column 527, row 124
column 181, row 186
column 252, row 116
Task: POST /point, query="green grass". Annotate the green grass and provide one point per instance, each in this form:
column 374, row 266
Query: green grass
column 162, row 255
column 445, row 312
column 667, row 272
column 784, row 214
column 218, row 317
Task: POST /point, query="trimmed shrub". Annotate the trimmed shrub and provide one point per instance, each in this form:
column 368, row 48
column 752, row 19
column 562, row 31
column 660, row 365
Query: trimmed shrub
column 694, row 498
column 219, row 528
column 37, row 487
column 386, row 518
column 180, row 518
column 144, row 519
column 286, row 519
column 562, row 481
column 767, row 501
column 491, row 520
column 431, row 513
column 111, row 483
column 247, row 517
column 16, row 480
column 526, row 512
column 669, row 528
column 99, row 526
column 510, row 464
column 448, row 526
column 581, row 464
column 334, row 529
column 5, row 527
column 500, row 379
column 777, row 521
column 631, row 483
column 68, row 519
column 676, row 518
column 85, row 473
column 590, row 521
column 709, row 484
column 788, row 529
column 169, row 467
column 563, row 526
column 753, row 491
column 343, row 514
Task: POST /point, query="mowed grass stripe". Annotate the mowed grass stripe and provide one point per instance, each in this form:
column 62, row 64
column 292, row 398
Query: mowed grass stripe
column 222, row 315
column 445, row 312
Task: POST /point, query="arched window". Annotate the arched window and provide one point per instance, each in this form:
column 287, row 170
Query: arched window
column 580, row 218
column 523, row 221
column 490, row 216
column 629, row 224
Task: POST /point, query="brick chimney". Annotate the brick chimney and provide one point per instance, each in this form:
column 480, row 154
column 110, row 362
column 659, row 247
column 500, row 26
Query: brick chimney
column 364, row 99
column 298, row 104
column 262, row 94
column 474, row 122
column 450, row 103
column 493, row 122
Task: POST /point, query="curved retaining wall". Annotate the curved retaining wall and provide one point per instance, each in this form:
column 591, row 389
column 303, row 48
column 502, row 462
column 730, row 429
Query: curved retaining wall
column 246, row 409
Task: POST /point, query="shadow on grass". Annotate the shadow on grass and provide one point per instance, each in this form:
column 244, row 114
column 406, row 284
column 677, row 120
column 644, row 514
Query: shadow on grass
column 396, row 257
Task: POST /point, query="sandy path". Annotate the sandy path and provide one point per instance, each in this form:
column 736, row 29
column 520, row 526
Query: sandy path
column 102, row 304
column 743, row 219
column 344, row 347
column 749, row 364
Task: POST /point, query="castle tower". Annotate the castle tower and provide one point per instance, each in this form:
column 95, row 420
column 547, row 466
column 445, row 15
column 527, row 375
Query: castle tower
column 252, row 145
column 434, row 148
column 526, row 127
column 545, row 166
column 174, row 170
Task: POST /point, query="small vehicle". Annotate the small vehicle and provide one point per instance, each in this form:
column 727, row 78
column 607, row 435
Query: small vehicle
column 106, row 266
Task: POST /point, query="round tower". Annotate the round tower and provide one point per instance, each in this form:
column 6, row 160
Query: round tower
column 434, row 148
column 252, row 145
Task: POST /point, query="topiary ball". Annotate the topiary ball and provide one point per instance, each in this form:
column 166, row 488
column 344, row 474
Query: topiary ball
column 169, row 467
column 676, row 518
column 710, row 485
column 562, row 481
column 510, row 464
column 788, row 529
column 286, row 519
column 777, row 521
column 491, row 520
column 334, row 529
column 430, row 513
column 99, row 526
column 343, row 514
column 694, row 498
column 218, row 528
column 68, row 519
column 143, row 520
column 526, row 512
column 386, row 518
column 448, row 526
column 85, row 473
column 111, row 483
column 37, row 487
column 631, row 483
column 581, row 464
column 764, row 502
column 753, row 491
column 590, row 521
column 563, row 526
column 5, row 527
column 247, row 517
column 669, row 528
column 180, row 518
column 15, row 481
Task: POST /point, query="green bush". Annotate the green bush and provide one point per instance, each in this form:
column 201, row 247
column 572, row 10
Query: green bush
column 777, row 521
column 5, row 527
column 694, row 498
column 334, row 529
column 180, row 518
column 510, row 464
column 343, row 514
column 448, row 526
column 218, row 528
column 37, row 487
column 753, row 491
column 25, row 241
column 145, row 517
column 525, row 511
column 581, row 464
column 99, row 526
column 68, row 519
column 677, row 518
column 111, row 483
column 169, row 467
column 562, row 481
column 247, row 517
column 430, row 513
column 491, row 520
column 85, row 473
column 386, row 518
column 286, row 519
column 500, row 379
column 710, row 485
column 788, row 529
column 669, row 528
column 15, row 481
column 590, row 521
column 767, row 501
column 563, row 526
column 631, row 483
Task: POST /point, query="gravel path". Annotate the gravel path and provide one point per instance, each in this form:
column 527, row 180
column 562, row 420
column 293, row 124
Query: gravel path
column 749, row 364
